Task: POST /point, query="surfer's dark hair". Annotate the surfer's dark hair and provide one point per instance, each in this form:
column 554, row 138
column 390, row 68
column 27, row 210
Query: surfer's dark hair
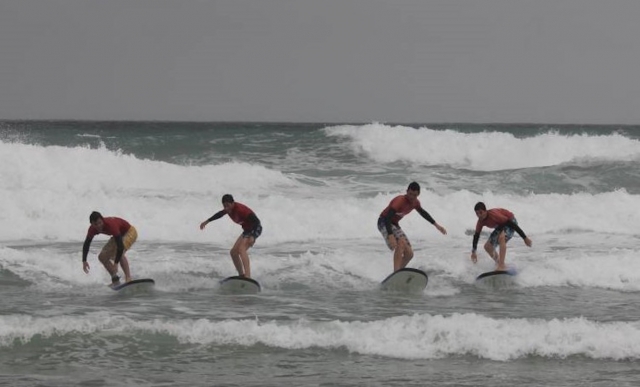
column 413, row 186
column 95, row 215
column 227, row 198
column 480, row 206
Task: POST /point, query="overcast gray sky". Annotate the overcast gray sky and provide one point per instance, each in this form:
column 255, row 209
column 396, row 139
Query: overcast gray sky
column 554, row 61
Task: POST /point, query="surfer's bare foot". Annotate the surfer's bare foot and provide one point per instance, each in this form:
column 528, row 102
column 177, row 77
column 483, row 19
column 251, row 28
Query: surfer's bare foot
column 501, row 268
column 115, row 280
column 128, row 279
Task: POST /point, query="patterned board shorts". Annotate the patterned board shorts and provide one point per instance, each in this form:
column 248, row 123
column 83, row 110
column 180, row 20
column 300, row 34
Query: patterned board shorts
column 397, row 232
column 128, row 240
column 255, row 233
column 508, row 233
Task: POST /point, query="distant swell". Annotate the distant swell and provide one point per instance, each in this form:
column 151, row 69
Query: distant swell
column 483, row 151
column 407, row 337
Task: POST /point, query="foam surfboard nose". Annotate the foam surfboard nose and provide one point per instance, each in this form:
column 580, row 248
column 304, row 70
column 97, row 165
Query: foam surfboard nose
column 240, row 285
column 143, row 283
column 497, row 278
column 406, row 280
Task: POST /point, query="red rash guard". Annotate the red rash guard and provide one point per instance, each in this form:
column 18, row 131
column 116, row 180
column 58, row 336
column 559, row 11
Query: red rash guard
column 112, row 226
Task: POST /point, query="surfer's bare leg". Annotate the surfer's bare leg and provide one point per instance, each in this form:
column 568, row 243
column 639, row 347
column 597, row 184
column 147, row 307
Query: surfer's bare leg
column 240, row 256
column 502, row 240
column 397, row 258
column 408, row 255
column 245, row 244
column 488, row 247
column 105, row 258
column 402, row 255
column 124, row 263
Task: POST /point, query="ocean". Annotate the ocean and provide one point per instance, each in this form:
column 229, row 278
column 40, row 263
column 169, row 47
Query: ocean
column 570, row 318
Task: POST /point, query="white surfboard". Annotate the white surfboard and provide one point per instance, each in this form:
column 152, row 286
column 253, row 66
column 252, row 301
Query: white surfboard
column 240, row 285
column 497, row 278
column 406, row 280
column 138, row 284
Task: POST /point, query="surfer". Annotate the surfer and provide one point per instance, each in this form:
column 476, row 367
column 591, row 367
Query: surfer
column 504, row 224
column 251, row 230
column 123, row 236
column 394, row 236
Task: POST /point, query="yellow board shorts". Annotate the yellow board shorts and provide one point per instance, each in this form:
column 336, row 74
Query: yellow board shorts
column 110, row 248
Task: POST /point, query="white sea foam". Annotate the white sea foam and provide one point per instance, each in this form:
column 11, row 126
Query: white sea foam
column 485, row 151
column 584, row 261
column 321, row 254
column 48, row 193
column 420, row 336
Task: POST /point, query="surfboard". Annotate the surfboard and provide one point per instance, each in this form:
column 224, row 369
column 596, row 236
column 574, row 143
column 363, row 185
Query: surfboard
column 497, row 277
column 240, row 285
column 406, row 280
column 138, row 284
